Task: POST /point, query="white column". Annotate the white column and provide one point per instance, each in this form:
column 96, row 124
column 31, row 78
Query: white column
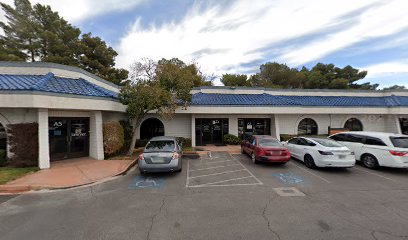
column 397, row 122
column 275, row 127
column 193, row 133
column 233, row 125
column 96, row 136
column 43, row 139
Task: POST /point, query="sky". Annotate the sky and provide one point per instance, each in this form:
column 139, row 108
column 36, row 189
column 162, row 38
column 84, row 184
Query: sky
column 237, row 36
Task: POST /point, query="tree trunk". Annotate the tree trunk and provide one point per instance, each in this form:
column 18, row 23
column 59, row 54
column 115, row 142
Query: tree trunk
column 133, row 142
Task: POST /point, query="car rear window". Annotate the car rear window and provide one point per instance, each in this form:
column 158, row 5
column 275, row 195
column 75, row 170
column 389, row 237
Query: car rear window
column 161, row 146
column 400, row 142
column 268, row 142
column 327, row 142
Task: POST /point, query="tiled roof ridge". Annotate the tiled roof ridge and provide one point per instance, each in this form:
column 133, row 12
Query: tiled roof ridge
column 42, row 82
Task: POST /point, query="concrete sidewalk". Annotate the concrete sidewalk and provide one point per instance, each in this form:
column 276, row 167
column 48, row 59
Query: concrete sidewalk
column 67, row 174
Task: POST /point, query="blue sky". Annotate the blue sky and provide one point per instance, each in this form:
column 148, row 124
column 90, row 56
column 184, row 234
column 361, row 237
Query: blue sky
column 228, row 36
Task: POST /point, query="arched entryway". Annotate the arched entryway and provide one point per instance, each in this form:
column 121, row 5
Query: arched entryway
column 307, row 126
column 151, row 127
column 353, row 124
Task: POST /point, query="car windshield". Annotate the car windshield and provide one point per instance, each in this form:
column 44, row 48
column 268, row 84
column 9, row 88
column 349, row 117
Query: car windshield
column 400, row 142
column 327, row 142
column 160, row 146
column 268, row 142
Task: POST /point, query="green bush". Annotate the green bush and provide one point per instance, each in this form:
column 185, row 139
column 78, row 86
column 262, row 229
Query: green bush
column 23, row 140
column 286, row 137
column 185, row 142
column 232, row 139
column 113, row 138
column 3, row 157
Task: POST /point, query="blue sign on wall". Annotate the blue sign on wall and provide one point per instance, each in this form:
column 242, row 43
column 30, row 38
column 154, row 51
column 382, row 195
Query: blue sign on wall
column 146, row 182
column 289, row 178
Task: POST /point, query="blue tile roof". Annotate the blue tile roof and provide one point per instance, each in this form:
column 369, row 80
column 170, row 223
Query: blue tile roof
column 53, row 84
column 280, row 100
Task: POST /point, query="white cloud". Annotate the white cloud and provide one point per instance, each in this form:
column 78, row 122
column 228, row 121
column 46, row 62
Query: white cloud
column 76, row 11
column 386, row 68
column 224, row 40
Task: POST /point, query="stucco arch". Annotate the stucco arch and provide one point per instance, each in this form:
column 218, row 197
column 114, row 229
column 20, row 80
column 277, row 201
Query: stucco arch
column 303, row 117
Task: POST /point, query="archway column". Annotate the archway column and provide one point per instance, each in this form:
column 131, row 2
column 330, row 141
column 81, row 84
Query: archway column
column 43, row 139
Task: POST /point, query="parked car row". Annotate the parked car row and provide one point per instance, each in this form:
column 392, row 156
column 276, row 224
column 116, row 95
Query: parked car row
column 373, row 149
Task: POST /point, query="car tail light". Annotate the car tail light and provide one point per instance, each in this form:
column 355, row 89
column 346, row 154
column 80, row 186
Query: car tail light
column 398, row 153
column 260, row 152
column 141, row 157
column 176, row 156
column 325, row 153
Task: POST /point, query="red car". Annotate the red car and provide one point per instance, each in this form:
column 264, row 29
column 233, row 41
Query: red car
column 265, row 149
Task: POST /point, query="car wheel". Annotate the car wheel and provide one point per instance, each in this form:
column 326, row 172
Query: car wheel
column 309, row 162
column 253, row 158
column 369, row 161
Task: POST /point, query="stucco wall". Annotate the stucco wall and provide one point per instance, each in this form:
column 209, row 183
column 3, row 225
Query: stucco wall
column 179, row 126
column 9, row 116
column 381, row 123
column 113, row 116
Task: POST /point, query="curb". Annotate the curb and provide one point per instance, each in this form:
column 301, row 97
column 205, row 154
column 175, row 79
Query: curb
column 12, row 190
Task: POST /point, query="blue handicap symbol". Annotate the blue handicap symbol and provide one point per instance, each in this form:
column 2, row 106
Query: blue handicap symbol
column 146, row 182
column 288, row 178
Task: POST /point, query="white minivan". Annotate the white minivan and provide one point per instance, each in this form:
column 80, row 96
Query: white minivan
column 376, row 149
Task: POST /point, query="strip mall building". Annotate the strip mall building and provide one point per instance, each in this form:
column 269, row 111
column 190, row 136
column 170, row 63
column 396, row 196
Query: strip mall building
column 70, row 106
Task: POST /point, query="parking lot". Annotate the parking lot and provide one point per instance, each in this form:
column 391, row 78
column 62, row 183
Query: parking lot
column 221, row 196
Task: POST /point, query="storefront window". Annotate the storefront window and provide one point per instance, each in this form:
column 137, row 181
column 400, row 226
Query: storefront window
column 404, row 125
column 251, row 126
column 307, row 126
column 353, row 124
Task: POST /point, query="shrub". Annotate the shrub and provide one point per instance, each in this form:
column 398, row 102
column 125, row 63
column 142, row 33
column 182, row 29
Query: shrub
column 23, row 140
column 3, row 157
column 113, row 138
column 286, row 137
column 184, row 142
column 127, row 130
column 232, row 139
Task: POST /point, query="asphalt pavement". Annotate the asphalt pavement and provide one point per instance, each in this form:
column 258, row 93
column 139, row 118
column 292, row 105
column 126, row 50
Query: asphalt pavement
column 221, row 196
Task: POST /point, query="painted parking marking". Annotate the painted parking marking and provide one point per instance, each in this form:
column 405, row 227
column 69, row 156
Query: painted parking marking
column 233, row 172
column 289, row 178
column 375, row 174
column 146, row 182
column 200, row 169
column 223, row 181
column 311, row 173
column 259, row 181
column 214, row 174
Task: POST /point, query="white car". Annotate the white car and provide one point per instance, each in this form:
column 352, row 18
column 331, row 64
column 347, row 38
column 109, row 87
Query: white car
column 376, row 149
column 320, row 152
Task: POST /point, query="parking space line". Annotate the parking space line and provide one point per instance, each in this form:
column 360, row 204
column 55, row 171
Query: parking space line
column 218, row 161
column 259, row 181
column 233, row 179
column 225, row 185
column 188, row 172
column 200, row 169
column 375, row 174
column 214, row 174
column 303, row 169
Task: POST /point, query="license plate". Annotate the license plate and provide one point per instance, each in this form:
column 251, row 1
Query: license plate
column 157, row 160
column 342, row 156
column 274, row 153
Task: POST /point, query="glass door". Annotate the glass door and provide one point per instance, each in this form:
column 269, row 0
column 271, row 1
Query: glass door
column 79, row 138
column 68, row 137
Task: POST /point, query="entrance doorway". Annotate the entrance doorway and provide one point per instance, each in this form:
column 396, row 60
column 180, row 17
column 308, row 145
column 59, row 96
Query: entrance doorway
column 151, row 127
column 210, row 131
column 404, row 125
column 69, row 137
